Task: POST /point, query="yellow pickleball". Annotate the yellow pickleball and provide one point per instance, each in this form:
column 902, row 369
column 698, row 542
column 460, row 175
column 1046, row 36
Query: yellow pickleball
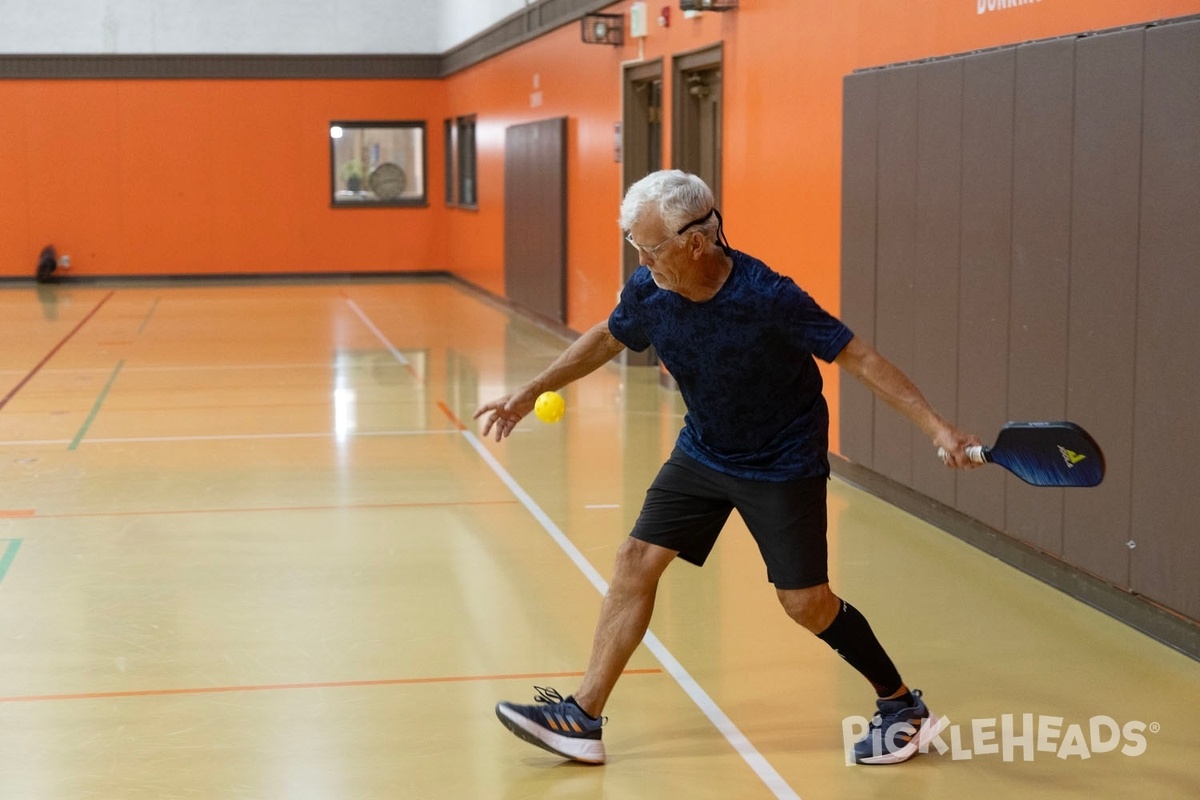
column 549, row 406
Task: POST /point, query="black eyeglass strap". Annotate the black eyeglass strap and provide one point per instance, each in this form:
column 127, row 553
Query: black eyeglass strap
column 721, row 240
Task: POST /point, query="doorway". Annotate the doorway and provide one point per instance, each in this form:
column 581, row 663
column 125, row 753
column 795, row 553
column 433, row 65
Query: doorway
column 696, row 117
column 535, row 217
column 642, row 124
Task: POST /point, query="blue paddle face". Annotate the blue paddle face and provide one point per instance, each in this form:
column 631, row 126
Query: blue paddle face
column 1049, row 454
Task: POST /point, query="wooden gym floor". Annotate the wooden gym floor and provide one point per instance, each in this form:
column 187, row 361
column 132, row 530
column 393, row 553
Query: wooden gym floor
column 251, row 546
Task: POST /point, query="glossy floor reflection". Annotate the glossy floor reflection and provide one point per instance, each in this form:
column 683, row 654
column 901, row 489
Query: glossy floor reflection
column 251, row 547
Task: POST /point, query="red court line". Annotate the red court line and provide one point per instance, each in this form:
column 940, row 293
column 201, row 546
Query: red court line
column 294, row 686
column 453, row 417
column 257, row 510
column 50, row 355
column 17, row 512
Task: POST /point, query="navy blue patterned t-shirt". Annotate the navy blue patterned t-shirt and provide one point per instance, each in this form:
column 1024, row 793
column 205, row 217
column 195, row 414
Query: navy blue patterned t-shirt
column 744, row 364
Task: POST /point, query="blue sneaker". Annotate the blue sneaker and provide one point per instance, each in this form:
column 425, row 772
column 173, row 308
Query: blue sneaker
column 556, row 725
column 898, row 731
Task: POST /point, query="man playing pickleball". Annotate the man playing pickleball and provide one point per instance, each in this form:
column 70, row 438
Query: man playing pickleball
column 740, row 340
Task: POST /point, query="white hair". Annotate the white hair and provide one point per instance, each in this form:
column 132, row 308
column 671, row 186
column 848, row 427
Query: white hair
column 677, row 196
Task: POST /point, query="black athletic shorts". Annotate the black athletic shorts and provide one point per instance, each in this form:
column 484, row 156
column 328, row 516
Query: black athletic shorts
column 687, row 505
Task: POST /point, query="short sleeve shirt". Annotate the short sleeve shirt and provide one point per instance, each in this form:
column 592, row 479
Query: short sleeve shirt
column 744, row 364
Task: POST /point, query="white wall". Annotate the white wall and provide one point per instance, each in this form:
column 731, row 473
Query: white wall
column 462, row 19
column 244, row 26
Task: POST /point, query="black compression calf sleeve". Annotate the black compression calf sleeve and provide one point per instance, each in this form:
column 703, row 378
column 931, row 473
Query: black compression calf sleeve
column 850, row 635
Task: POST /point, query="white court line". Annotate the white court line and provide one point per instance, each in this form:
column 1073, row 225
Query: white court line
column 222, row 367
column 773, row 780
column 378, row 334
column 223, row 437
column 723, row 723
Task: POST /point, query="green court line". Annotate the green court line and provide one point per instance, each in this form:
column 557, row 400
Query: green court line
column 87, row 423
column 149, row 314
column 10, row 553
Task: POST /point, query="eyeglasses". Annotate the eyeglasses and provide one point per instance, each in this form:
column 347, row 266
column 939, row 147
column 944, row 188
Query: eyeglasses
column 652, row 251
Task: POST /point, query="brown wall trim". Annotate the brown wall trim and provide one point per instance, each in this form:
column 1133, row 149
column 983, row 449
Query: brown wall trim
column 1156, row 622
column 223, row 67
column 559, row 329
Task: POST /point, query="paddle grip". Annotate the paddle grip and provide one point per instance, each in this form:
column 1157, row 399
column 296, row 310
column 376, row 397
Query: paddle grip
column 974, row 452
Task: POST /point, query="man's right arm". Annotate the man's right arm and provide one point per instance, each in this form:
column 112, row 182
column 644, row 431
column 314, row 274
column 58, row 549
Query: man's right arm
column 589, row 352
column 896, row 389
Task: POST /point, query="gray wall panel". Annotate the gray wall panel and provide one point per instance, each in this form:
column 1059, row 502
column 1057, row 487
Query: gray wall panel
column 896, row 258
column 1104, row 256
column 1166, row 508
column 939, row 177
column 1066, row 173
column 860, row 96
column 1041, row 253
column 988, row 85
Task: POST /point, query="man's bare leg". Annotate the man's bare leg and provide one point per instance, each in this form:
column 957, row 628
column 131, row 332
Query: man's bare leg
column 624, row 618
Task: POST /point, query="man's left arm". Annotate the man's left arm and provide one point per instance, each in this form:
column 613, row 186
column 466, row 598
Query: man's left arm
column 892, row 386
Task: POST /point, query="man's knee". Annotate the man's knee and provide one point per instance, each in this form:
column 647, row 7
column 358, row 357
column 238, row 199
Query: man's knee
column 640, row 562
column 814, row 607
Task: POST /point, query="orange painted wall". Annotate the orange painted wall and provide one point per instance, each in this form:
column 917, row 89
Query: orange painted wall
column 581, row 83
column 183, row 177
column 784, row 65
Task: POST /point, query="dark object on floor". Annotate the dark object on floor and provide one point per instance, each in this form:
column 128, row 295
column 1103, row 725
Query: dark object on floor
column 47, row 263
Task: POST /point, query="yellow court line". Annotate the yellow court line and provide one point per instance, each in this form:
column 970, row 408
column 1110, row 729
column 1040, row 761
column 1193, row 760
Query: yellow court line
column 294, row 686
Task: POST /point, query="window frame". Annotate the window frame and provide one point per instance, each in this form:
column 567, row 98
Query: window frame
column 450, row 160
column 466, row 162
column 339, row 193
